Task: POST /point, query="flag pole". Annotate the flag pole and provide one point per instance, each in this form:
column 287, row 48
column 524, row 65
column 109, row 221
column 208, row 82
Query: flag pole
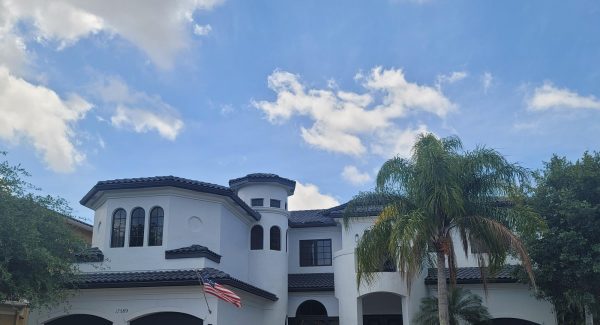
column 201, row 279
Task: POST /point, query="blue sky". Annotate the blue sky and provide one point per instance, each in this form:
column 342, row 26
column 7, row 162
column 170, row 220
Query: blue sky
column 318, row 91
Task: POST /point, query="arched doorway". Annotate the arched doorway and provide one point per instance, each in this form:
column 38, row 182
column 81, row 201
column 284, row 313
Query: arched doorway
column 312, row 312
column 381, row 308
column 78, row 319
column 167, row 318
column 511, row 321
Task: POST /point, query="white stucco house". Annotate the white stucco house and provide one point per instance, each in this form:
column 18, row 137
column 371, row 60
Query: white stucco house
column 153, row 237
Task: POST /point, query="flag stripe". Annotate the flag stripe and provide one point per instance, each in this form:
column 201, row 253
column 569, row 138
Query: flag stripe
column 222, row 293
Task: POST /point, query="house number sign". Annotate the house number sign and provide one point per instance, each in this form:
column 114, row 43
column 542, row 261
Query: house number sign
column 121, row 311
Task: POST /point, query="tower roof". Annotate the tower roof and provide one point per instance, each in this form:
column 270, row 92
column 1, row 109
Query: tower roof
column 237, row 183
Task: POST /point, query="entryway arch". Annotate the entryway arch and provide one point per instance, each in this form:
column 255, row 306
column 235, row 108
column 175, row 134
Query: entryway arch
column 78, row 319
column 312, row 312
column 167, row 318
column 381, row 308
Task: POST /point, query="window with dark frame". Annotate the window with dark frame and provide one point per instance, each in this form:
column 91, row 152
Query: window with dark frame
column 275, row 238
column 136, row 228
column 316, row 252
column 155, row 231
column 257, row 202
column 275, row 203
column 119, row 220
column 256, row 238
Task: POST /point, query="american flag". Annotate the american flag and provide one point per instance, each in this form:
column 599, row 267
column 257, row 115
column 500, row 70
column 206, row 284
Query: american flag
column 219, row 291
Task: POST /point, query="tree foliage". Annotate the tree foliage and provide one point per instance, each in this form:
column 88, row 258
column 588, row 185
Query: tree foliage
column 463, row 307
column 443, row 191
column 567, row 255
column 37, row 246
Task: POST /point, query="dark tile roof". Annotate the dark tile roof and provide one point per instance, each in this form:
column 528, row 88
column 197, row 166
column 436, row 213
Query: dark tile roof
column 236, row 183
column 165, row 278
column 191, row 252
column 161, row 181
column 90, row 255
column 311, row 282
column 466, row 275
column 309, row 218
column 338, row 211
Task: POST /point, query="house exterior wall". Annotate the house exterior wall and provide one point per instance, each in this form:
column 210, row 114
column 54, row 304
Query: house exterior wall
column 219, row 224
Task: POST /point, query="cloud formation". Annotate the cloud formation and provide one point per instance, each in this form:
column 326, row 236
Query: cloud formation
column 307, row 196
column 156, row 27
column 355, row 176
column 549, row 97
column 137, row 110
column 486, row 80
column 343, row 121
column 40, row 117
column 451, row 78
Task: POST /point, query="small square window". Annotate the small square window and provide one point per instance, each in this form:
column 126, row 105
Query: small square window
column 257, row 202
column 315, row 252
column 275, row 203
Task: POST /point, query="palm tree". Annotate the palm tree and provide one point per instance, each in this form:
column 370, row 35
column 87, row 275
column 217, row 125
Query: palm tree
column 462, row 306
column 441, row 191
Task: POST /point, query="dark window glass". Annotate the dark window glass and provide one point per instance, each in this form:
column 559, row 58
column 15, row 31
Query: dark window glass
column 256, row 238
column 275, row 203
column 257, row 202
column 311, row 308
column 275, row 236
column 117, row 238
column 315, row 252
column 155, row 231
column 136, row 228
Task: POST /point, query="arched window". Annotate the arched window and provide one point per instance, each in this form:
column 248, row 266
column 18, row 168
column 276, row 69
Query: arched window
column 117, row 237
column 155, row 231
column 275, row 238
column 256, row 237
column 311, row 308
column 136, row 229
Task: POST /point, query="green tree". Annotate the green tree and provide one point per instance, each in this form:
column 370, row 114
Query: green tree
column 37, row 246
column 567, row 256
column 439, row 192
column 463, row 306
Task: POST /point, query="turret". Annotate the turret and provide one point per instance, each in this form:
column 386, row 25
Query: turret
column 268, row 263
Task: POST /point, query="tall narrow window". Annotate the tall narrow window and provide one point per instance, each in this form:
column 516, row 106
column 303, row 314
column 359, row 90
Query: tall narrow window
column 275, row 238
column 256, row 238
column 117, row 238
column 136, row 228
column 155, row 231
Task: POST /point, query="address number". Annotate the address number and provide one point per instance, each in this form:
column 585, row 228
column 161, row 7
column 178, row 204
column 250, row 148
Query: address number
column 121, row 311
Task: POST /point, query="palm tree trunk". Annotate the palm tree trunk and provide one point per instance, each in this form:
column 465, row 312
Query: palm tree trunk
column 442, row 288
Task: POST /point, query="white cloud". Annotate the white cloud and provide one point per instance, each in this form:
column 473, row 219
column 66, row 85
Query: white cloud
column 451, row 78
column 137, row 110
column 202, row 30
column 355, row 176
column 142, row 121
column 486, row 80
column 156, row 27
column 39, row 116
column 307, row 196
column 392, row 142
column 548, row 97
column 344, row 120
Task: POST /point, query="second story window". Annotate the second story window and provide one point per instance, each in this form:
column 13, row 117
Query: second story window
column 275, row 238
column 315, row 252
column 117, row 237
column 136, row 228
column 155, row 231
column 256, row 238
column 275, row 203
column 257, row 202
